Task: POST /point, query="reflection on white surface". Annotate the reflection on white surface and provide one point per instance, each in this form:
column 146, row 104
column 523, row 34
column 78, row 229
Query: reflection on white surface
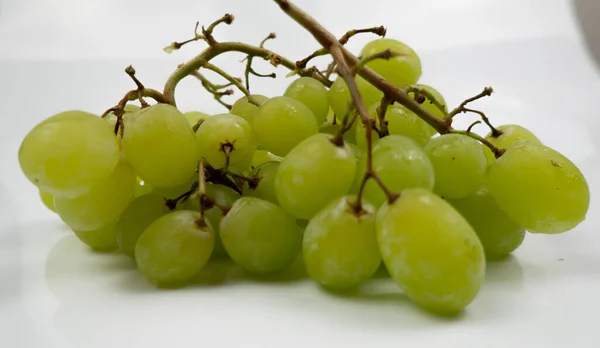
column 54, row 292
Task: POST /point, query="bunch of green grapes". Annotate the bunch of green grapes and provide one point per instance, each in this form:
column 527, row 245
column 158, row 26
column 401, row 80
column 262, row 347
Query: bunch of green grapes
column 288, row 177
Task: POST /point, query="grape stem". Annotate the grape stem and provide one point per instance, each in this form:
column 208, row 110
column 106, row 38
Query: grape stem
column 487, row 91
column 496, row 151
column 234, row 81
column 301, row 64
column 223, row 47
column 172, row 203
column 472, row 125
column 216, row 176
column 495, row 132
column 140, row 87
column 381, row 110
column 347, row 122
column 206, row 34
column 249, row 70
column 201, row 222
column 346, row 71
column 197, row 125
column 387, row 54
column 421, row 94
column 214, row 89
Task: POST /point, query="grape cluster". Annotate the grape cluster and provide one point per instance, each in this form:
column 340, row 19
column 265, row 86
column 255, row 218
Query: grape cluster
column 295, row 174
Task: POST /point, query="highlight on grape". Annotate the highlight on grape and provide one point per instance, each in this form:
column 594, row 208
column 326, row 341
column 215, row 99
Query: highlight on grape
column 356, row 164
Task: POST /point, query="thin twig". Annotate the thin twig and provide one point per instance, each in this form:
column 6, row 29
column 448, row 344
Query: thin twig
column 485, row 93
column 249, row 70
column 495, row 132
column 387, row 54
column 381, row 111
column 212, row 88
column 201, row 192
column 472, row 125
column 236, row 82
column 496, row 151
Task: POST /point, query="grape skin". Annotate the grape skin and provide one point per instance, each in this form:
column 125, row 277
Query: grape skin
column 174, row 248
column 539, row 188
column 312, row 174
column 282, row 123
column 400, row 163
column 511, row 133
column 312, row 93
column 160, row 145
column 68, row 153
column 340, row 98
column 259, row 236
column 136, row 218
column 266, row 186
column 102, row 239
column 340, row 247
column 459, row 164
column 47, row 199
column 226, row 128
column 402, row 70
column 102, row 205
column 243, row 108
column 430, row 250
column 225, row 197
column 498, row 234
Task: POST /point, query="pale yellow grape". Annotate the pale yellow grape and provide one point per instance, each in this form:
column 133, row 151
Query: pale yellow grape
column 102, row 239
column 400, row 163
column 174, row 248
column 69, row 153
column 282, row 123
column 265, row 188
column 223, row 196
column 160, row 145
column 498, row 233
column 430, row 250
column 539, row 188
column 312, row 93
column 401, row 70
column 47, row 199
column 136, row 218
column 312, row 174
column 259, row 236
column 339, row 96
column 245, row 109
column 226, row 129
column 340, row 246
column 194, row 116
column 459, row 164
column 102, row 205
column 511, row 133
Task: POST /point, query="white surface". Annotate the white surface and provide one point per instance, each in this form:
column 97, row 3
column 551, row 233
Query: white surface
column 70, row 54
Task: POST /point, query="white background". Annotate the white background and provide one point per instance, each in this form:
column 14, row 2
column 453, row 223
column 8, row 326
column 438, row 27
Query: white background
column 70, row 54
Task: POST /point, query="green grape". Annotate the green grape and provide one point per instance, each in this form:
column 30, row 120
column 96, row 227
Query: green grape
column 282, row 123
column 243, row 108
column 259, row 236
column 136, row 218
column 142, row 187
column 312, row 93
column 225, row 197
column 194, row 116
column 266, row 186
column 102, row 205
column 262, row 156
column 361, row 135
column 160, row 145
column 340, row 99
column 426, row 104
column 459, row 164
column 402, row 70
column 68, row 153
column 498, row 234
column 174, row 248
column 539, row 188
column 511, row 133
column 340, row 246
column 226, row 128
column 312, row 174
column 47, row 199
column 430, row 250
column 129, row 110
column 400, row 163
column 102, row 239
